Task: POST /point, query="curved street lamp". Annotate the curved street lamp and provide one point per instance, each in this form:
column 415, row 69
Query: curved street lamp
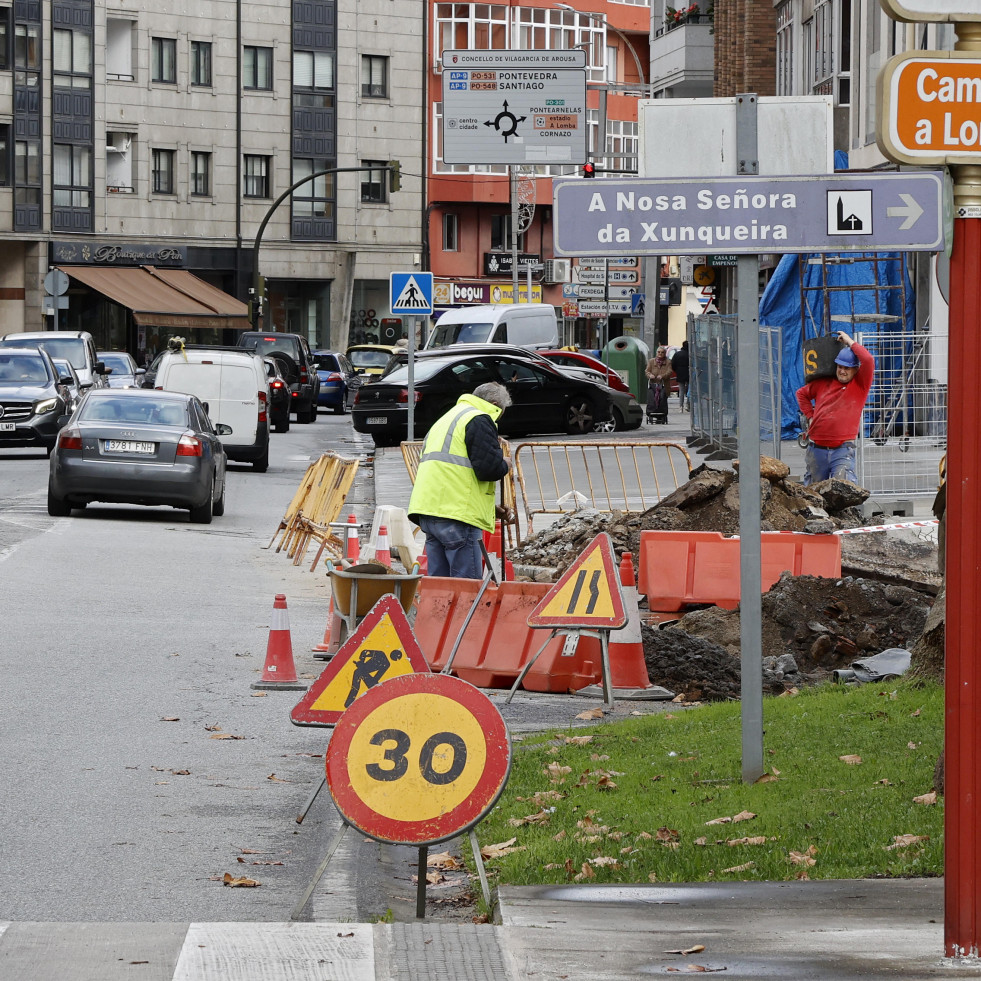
column 592, row 15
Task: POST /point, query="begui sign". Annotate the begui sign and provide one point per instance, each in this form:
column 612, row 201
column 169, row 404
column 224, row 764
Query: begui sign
column 514, row 107
column 930, row 108
column 750, row 215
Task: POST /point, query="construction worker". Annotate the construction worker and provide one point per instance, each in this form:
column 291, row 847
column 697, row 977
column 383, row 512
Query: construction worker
column 453, row 497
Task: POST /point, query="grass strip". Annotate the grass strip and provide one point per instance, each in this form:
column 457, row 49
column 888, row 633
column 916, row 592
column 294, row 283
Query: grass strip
column 636, row 801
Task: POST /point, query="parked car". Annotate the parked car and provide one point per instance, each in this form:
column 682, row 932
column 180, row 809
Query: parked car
column 279, row 395
column 298, row 367
column 339, row 381
column 133, row 446
column 34, row 399
column 231, row 382
column 576, row 359
column 69, row 378
column 77, row 346
column 627, row 413
column 121, row 370
column 371, row 359
column 544, row 399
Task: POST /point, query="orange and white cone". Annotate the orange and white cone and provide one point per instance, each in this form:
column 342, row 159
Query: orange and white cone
column 353, row 543
column 279, row 671
column 332, row 634
column 382, row 552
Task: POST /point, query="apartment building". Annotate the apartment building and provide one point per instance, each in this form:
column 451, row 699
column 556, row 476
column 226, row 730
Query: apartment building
column 135, row 134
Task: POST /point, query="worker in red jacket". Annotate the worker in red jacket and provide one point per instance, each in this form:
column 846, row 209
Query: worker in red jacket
column 833, row 407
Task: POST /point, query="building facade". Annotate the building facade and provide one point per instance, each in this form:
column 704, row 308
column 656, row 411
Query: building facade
column 145, row 134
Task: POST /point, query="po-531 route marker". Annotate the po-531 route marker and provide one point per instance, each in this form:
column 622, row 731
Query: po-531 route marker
column 750, row 215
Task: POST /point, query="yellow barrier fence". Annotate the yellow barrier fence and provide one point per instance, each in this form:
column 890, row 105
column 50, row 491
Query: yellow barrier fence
column 556, row 478
column 316, row 503
column 411, row 452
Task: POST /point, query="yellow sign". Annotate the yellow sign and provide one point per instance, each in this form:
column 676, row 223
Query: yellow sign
column 703, row 275
column 588, row 595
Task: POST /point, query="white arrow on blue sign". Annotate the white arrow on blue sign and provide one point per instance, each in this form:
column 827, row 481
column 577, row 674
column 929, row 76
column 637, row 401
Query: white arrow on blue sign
column 411, row 292
column 750, row 215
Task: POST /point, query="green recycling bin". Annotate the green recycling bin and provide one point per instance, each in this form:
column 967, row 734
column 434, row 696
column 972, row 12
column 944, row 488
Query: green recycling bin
column 628, row 356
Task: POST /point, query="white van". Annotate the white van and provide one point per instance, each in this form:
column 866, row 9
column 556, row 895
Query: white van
column 530, row 325
column 233, row 386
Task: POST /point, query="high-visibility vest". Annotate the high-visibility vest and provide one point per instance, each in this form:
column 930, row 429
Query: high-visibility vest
column 446, row 486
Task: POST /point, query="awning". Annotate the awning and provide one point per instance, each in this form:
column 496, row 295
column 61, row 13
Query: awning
column 164, row 297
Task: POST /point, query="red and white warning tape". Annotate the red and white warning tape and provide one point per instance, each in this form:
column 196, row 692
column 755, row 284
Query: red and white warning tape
column 870, row 528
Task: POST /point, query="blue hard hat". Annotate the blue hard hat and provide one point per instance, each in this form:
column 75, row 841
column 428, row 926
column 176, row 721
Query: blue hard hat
column 847, row 358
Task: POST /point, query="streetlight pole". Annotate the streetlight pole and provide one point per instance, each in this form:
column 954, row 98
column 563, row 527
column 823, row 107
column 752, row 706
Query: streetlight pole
column 592, row 15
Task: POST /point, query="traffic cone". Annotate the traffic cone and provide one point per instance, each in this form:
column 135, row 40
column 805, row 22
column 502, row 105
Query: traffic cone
column 279, row 671
column 382, row 552
column 353, row 543
column 628, row 669
column 332, row 634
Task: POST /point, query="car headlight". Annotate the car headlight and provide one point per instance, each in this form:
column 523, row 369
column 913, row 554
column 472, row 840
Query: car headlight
column 48, row 405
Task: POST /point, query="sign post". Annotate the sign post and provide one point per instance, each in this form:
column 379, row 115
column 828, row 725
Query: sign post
column 411, row 293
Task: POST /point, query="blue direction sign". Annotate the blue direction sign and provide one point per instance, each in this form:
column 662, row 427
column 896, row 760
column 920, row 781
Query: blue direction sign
column 411, row 292
column 750, row 215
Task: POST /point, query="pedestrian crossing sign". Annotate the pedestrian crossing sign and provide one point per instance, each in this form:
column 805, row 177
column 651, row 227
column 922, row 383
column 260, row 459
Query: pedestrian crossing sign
column 383, row 647
column 412, row 292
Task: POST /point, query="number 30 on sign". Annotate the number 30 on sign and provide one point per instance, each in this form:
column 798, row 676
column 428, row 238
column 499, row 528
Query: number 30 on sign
column 418, row 759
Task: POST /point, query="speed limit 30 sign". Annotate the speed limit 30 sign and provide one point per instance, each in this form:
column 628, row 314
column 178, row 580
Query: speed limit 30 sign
column 418, row 759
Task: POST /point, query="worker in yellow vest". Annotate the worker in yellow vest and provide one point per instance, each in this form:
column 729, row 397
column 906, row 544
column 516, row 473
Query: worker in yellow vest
column 453, row 497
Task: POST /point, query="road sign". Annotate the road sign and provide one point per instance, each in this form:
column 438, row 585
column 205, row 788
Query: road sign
column 588, row 594
column 600, row 308
column 514, row 107
column 56, row 283
column 418, row 760
column 750, row 215
column 932, row 10
column 928, row 108
column 383, row 647
column 411, row 292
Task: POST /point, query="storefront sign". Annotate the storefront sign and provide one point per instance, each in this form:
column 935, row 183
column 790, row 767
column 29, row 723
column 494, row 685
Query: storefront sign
column 122, row 254
column 450, row 294
column 500, row 264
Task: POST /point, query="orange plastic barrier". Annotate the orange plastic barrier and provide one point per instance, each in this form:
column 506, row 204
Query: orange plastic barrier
column 498, row 642
column 678, row 568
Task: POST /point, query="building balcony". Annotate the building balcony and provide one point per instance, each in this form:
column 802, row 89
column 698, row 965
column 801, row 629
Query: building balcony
column 683, row 59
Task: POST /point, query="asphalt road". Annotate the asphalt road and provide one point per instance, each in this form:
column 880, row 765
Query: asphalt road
column 138, row 765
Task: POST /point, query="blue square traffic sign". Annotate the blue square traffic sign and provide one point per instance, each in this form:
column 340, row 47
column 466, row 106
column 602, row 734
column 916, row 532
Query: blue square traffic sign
column 411, row 292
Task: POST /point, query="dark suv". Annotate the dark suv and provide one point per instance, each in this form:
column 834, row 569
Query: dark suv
column 34, row 402
column 297, row 364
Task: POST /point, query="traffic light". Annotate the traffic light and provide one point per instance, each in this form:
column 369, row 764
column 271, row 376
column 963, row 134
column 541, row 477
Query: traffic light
column 588, row 170
column 394, row 175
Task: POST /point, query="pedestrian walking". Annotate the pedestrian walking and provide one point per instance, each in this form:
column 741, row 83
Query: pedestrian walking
column 833, row 407
column 453, row 497
column 680, row 365
column 658, row 372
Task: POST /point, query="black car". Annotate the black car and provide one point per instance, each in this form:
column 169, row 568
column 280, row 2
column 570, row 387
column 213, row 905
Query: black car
column 544, row 399
column 279, row 395
column 34, row 399
column 293, row 352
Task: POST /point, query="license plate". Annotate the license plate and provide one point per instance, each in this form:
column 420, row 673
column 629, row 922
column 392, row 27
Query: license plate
column 128, row 446
column 7, row 427
column 376, row 420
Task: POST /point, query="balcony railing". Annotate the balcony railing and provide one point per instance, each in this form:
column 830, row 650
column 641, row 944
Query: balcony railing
column 698, row 18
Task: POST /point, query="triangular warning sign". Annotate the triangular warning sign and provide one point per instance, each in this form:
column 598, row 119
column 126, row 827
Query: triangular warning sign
column 383, row 647
column 412, row 296
column 587, row 595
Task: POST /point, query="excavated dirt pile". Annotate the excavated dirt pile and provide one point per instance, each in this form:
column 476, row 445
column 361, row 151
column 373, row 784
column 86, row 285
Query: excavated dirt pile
column 810, row 626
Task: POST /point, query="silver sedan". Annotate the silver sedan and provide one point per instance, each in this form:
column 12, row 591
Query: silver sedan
column 139, row 446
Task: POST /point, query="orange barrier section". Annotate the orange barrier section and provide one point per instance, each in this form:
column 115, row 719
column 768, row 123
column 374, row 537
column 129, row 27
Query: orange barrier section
column 498, row 641
column 678, row 568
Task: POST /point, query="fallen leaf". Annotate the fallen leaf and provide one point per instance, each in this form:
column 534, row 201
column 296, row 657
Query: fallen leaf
column 767, row 778
column 885, row 782
column 560, row 836
column 250, row 851
column 652, row 877
column 171, row 718
column 578, row 740
column 930, row 798
column 667, row 834
column 181, row 773
column 914, row 714
column 344, row 936
column 258, row 694
column 852, row 759
column 743, row 816
column 701, row 841
column 911, row 745
column 758, row 840
column 225, row 735
column 789, row 693
column 740, row 868
column 668, row 715
column 904, row 841
column 697, row 949
column 603, row 860
column 443, row 860
column 557, row 773
column 598, row 757
column 542, row 817
column 722, row 820
column 212, row 728
column 803, row 858
column 240, row 881
column 260, row 861
column 500, row 849
column 596, row 713
column 541, row 797
column 586, row 872
column 275, row 779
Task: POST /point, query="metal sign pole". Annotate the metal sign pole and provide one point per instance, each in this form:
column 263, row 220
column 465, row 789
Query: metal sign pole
column 410, row 434
column 513, row 182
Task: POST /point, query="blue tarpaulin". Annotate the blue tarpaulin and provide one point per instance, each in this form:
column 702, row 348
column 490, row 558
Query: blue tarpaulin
column 781, row 304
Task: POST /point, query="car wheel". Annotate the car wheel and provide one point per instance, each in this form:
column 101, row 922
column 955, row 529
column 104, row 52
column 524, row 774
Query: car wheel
column 341, row 406
column 218, row 508
column 305, row 416
column 262, row 464
column 58, row 507
column 612, row 425
column 282, row 426
column 202, row 515
column 386, row 439
column 579, row 417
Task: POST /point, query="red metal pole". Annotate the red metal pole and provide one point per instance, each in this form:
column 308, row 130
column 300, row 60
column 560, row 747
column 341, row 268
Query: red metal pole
column 962, row 887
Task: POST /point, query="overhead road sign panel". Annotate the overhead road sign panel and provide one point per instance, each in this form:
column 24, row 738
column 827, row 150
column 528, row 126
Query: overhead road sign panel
column 750, row 215
column 930, row 108
column 501, row 109
column 949, row 11
column 411, row 292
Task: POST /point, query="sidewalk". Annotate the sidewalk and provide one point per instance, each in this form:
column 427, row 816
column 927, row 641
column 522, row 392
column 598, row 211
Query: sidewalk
column 788, row 931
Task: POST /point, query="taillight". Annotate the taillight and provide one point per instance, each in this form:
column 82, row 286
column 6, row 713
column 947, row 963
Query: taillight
column 70, row 439
column 404, row 395
column 262, row 407
column 276, row 384
column 304, row 377
column 334, row 376
column 190, row 446
column 357, row 396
